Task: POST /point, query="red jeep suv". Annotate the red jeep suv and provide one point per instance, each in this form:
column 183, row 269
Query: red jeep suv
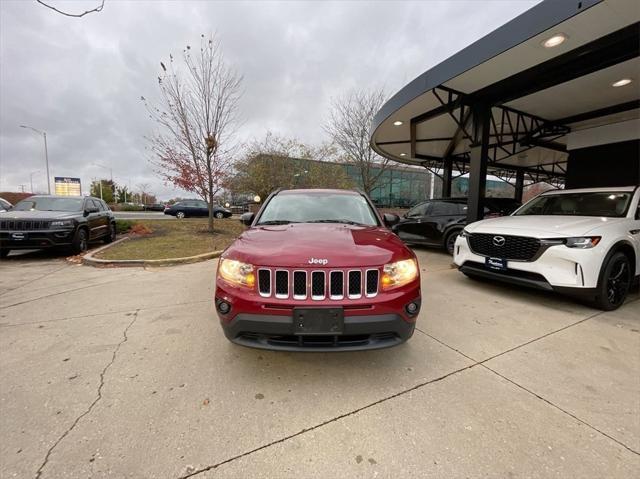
column 318, row 270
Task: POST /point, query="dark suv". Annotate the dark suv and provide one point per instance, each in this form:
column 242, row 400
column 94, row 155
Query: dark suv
column 438, row 222
column 318, row 270
column 56, row 221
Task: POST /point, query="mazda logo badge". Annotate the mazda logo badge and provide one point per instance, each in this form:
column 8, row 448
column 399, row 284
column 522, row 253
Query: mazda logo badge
column 498, row 240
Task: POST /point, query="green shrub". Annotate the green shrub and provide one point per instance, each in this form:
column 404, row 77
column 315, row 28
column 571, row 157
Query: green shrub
column 122, row 226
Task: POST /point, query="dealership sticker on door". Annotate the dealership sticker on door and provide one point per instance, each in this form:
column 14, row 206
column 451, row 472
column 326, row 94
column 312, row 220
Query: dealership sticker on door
column 498, row 264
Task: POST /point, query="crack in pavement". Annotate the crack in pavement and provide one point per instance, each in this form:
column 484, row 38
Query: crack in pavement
column 151, row 308
column 411, row 389
column 125, row 338
column 35, row 279
column 328, row 421
column 515, row 383
column 57, row 294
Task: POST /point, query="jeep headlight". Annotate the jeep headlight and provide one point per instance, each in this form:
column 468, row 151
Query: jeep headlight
column 237, row 272
column 582, row 242
column 399, row 273
column 61, row 223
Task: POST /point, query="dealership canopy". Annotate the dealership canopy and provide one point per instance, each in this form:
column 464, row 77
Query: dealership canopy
column 563, row 77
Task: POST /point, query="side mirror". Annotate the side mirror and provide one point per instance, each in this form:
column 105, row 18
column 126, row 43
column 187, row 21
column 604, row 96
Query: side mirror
column 390, row 219
column 247, row 218
column 91, row 209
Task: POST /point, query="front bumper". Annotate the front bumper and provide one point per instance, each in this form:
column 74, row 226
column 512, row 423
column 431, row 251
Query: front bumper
column 369, row 323
column 276, row 333
column 565, row 270
column 14, row 240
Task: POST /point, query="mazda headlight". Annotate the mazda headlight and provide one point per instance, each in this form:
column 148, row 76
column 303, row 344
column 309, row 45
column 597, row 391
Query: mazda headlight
column 237, row 272
column 399, row 273
column 582, row 242
column 61, row 223
column 464, row 234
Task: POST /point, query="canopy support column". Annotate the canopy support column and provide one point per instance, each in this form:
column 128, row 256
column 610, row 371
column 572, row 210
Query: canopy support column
column 446, row 177
column 519, row 185
column 478, row 162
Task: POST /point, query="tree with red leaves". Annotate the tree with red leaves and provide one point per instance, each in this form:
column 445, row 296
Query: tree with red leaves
column 197, row 119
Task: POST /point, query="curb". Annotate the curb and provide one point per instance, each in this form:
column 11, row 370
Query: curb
column 89, row 259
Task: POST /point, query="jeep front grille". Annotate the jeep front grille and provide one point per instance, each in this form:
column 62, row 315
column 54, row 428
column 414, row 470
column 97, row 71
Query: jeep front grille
column 317, row 284
column 24, row 225
column 515, row 248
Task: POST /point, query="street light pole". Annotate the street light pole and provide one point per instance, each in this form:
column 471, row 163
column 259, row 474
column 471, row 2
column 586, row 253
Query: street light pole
column 46, row 152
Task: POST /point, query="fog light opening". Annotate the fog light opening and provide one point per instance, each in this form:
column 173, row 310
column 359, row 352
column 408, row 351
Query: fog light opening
column 224, row 307
column 412, row 308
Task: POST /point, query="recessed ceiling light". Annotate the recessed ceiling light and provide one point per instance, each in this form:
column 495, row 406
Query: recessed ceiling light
column 397, row 123
column 554, row 41
column 403, row 154
column 621, row 82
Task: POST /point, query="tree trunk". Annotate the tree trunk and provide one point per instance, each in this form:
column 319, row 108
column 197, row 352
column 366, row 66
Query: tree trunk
column 210, row 204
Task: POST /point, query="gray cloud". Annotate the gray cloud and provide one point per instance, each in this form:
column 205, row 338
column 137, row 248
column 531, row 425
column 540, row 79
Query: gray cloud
column 81, row 79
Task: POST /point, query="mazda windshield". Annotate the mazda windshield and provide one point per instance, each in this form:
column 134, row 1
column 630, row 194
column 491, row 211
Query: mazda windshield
column 604, row 204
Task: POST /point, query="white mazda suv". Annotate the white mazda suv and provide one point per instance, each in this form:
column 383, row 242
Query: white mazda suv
column 582, row 242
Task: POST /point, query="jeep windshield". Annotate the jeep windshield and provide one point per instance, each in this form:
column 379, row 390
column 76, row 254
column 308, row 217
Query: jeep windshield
column 287, row 208
column 602, row 204
column 49, row 204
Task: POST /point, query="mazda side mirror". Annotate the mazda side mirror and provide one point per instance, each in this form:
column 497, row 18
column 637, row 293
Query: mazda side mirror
column 390, row 219
column 247, row 218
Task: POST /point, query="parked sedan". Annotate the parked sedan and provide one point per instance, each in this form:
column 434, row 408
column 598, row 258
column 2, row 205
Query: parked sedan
column 439, row 222
column 154, row 207
column 195, row 208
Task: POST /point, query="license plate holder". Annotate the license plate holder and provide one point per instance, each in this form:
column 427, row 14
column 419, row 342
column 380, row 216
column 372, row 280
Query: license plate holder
column 18, row 236
column 318, row 321
column 496, row 264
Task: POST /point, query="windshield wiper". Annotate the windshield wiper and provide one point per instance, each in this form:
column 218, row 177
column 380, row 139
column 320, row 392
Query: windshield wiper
column 346, row 222
column 276, row 222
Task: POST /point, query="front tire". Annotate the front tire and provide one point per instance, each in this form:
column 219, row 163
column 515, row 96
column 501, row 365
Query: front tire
column 450, row 241
column 180, row 215
column 80, row 242
column 219, row 215
column 614, row 283
column 111, row 236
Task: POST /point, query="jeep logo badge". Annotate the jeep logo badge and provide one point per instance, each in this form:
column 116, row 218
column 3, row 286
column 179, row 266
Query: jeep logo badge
column 318, row 261
column 498, row 240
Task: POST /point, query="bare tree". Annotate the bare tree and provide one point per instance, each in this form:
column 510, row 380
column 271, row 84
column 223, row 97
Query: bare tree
column 349, row 121
column 197, row 119
column 75, row 15
column 144, row 188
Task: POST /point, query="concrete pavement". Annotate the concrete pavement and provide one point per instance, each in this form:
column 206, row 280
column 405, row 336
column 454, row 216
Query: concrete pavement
column 125, row 373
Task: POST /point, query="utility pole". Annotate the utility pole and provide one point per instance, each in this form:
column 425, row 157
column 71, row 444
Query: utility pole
column 22, row 187
column 46, row 153
column 31, row 179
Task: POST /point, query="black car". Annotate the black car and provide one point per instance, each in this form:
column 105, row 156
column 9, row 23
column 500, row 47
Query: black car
column 56, row 221
column 438, row 222
column 195, row 208
column 153, row 207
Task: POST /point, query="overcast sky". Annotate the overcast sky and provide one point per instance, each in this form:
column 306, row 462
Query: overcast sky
column 80, row 79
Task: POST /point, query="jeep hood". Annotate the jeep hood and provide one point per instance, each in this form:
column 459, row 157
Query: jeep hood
column 294, row 245
column 551, row 226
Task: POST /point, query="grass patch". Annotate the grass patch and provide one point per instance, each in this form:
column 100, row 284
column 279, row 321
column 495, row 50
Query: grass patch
column 174, row 239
